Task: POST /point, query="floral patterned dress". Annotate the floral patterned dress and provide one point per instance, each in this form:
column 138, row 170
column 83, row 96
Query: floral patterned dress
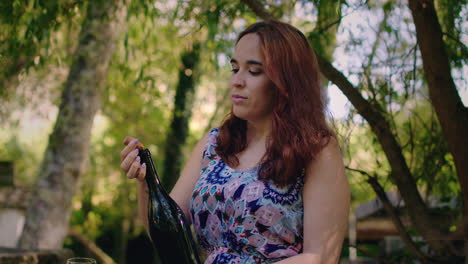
column 241, row 219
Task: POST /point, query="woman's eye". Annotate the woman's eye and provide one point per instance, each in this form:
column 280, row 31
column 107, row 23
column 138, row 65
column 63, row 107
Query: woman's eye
column 234, row 70
column 255, row 72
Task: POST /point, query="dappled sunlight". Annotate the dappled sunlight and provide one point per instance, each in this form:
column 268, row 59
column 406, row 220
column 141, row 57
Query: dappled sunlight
column 387, row 101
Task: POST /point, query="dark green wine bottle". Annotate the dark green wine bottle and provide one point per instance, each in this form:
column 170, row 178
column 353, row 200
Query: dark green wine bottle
column 168, row 226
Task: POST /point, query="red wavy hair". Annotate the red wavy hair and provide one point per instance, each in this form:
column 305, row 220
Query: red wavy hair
column 299, row 127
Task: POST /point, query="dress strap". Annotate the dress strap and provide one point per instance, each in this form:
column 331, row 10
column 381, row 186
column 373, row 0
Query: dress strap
column 209, row 151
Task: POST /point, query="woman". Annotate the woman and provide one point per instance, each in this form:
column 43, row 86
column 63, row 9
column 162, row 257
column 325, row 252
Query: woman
column 268, row 185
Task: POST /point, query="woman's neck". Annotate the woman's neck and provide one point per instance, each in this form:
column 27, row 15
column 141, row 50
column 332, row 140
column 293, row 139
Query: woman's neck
column 258, row 131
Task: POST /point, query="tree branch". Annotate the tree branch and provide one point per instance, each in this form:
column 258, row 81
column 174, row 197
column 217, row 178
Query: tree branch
column 258, row 9
column 461, row 44
column 391, row 211
column 378, row 37
column 367, row 253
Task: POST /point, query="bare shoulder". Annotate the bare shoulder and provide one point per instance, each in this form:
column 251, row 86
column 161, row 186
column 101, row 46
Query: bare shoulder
column 201, row 143
column 331, row 150
column 328, row 163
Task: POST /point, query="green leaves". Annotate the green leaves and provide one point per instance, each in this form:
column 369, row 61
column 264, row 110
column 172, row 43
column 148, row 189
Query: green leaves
column 372, row 42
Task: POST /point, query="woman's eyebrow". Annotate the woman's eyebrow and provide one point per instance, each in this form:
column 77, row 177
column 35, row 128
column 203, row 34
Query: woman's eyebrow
column 249, row 62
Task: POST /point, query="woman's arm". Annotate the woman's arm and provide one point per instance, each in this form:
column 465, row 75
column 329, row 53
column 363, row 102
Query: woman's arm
column 326, row 198
column 182, row 191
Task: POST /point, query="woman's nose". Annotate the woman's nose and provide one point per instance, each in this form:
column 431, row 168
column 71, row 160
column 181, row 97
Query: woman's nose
column 238, row 80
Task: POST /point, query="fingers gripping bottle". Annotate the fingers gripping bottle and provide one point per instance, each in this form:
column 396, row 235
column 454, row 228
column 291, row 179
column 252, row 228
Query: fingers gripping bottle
column 168, row 226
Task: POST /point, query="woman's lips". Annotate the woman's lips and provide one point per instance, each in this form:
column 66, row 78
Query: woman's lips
column 237, row 99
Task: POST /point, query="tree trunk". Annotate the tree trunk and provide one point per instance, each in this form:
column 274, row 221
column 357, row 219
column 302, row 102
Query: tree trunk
column 323, row 38
column 182, row 112
column 49, row 209
column 452, row 114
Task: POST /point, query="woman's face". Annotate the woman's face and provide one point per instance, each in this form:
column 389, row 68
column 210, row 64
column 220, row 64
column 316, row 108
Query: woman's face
column 251, row 89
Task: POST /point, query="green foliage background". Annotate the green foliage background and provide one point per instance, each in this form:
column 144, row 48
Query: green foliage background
column 38, row 37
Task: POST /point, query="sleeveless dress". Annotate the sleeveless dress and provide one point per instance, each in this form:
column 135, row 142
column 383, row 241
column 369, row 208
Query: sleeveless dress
column 241, row 219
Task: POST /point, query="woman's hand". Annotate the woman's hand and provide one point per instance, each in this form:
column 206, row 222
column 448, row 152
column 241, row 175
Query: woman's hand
column 131, row 161
column 134, row 169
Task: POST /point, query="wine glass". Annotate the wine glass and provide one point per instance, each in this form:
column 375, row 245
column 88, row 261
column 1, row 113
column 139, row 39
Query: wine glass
column 81, row 261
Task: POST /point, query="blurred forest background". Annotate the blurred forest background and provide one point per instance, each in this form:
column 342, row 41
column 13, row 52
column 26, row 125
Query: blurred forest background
column 77, row 76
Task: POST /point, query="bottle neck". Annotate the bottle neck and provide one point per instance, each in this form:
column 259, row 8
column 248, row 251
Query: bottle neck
column 152, row 179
